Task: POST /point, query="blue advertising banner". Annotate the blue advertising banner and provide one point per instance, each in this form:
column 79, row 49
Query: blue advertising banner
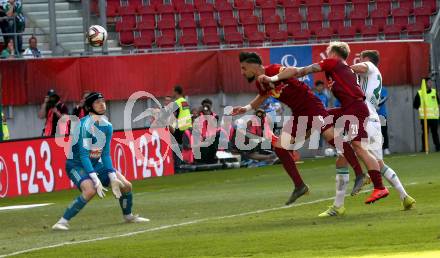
column 293, row 56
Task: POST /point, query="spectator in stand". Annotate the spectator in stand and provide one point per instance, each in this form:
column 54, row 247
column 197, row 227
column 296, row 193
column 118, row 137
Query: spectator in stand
column 52, row 109
column 3, row 22
column 320, row 93
column 432, row 112
column 382, row 111
column 183, row 114
column 13, row 9
column 9, row 51
column 32, row 51
column 79, row 110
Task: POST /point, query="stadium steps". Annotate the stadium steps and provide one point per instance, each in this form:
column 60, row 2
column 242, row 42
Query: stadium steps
column 69, row 24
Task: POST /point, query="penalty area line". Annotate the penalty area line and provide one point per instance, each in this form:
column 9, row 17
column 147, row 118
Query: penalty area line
column 175, row 225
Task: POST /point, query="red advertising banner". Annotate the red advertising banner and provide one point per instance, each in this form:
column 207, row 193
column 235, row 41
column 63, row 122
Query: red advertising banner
column 38, row 166
column 401, row 63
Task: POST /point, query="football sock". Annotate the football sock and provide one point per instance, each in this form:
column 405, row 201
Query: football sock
column 342, row 178
column 393, row 179
column 350, row 156
column 74, row 207
column 126, row 202
column 376, row 178
column 289, row 165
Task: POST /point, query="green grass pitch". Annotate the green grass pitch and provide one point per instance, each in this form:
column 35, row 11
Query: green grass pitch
column 237, row 213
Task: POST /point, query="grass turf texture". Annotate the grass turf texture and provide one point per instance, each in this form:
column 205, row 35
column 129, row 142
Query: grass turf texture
column 367, row 230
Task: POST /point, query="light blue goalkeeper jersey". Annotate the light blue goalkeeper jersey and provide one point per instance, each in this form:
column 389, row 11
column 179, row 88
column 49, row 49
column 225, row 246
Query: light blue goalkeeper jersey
column 91, row 144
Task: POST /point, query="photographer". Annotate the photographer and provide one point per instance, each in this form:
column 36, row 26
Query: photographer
column 52, row 109
column 258, row 153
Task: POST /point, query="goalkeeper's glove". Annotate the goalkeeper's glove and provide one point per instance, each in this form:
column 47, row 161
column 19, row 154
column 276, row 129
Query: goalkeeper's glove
column 116, row 185
column 100, row 190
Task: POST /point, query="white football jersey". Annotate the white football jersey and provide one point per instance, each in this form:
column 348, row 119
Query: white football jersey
column 371, row 84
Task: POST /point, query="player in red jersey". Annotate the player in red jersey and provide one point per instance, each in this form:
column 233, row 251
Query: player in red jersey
column 304, row 104
column 344, row 85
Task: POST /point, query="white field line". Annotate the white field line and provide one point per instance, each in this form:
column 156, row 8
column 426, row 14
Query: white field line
column 173, row 226
column 20, row 207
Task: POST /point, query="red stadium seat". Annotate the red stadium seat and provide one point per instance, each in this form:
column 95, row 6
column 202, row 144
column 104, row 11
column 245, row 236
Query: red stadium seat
column 249, row 29
column 337, row 12
column 313, row 11
column 226, row 15
column 249, row 20
column 184, row 8
column 380, row 22
column 313, row 2
column 278, row 36
column 165, row 9
column 324, row 33
column 431, row 3
column 423, row 20
column 244, row 5
column 146, row 9
column 269, row 12
column 370, row 31
column 233, row 38
column 206, row 15
column 187, row 23
column 358, row 23
column 400, row 12
column 146, row 25
column 230, row 29
column 266, row 4
column 315, row 26
column 188, row 40
column 125, row 26
column 208, row 22
column 166, row 41
column 302, row 35
column 408, row 4
column 337, row 2
column 126, row 38
column 143, row 42
column 147, row 33
column 400, row 21
column 384, row 6
column 228, row 22
column 148, row 17
column 292, row 28
column 422, row 11
column 126, row 10
column 359, row 12
column 211, row 39
column 255, row 38
column 166, row 24
column 222, row 6
column 112, row 9
column 209, row 30
column 415, row 29
column 336, row 24
column 156, row 2
column 346, row 32
column 272, row 19
column 290, row 3
column 379, row 13
column 204, row 7
column 392, row 31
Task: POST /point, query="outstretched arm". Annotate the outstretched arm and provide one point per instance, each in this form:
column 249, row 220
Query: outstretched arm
column 254, row 104
column 290, row 72
column 360, row 68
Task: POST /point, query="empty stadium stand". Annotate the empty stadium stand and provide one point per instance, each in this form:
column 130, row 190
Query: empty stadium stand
column 201, row 23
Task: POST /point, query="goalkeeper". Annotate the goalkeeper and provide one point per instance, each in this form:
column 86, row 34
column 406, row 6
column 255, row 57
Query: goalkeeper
column 89, row 164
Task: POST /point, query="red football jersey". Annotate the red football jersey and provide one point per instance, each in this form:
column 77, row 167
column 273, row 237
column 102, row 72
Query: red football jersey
column 345, row 84
column 292, row 92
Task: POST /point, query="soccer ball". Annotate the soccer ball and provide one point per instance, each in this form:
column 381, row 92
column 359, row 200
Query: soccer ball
column 96, row 35
column 329, row 152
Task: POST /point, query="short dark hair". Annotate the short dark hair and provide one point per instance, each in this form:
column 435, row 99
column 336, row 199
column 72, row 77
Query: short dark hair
column 178, row 89
column 340, row 48
column 207, row 101
column 250, row 57
column 428, row 79
column 319, row 82
column 373, row 55
column 32, row 38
